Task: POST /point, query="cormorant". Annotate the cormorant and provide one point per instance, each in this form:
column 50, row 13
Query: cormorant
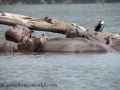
column 99, row 27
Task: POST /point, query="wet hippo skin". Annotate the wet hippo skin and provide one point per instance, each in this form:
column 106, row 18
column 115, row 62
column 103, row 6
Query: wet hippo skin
column 88, row 34
column 115, row 44
column 28, row 46
column 7, row 46
column 63, row 45
column 73, row 45
column 18, row 33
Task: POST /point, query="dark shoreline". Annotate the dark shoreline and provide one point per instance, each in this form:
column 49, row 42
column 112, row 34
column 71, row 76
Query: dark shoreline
column 58, row 4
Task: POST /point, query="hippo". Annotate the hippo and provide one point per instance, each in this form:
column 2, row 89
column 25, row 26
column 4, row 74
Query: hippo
column 29, row 46
column 115, row 44
column 20, row 39
column 88, row 34
column 26, row 42
column 77, row 45
column 18, row 33
column 7, row 46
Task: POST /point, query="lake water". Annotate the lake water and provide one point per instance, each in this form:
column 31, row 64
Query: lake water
column 65, row 71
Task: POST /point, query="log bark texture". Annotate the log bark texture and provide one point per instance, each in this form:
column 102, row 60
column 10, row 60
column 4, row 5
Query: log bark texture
column 46, row 24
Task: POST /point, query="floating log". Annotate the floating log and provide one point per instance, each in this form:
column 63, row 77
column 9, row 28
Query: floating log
column 46, row 24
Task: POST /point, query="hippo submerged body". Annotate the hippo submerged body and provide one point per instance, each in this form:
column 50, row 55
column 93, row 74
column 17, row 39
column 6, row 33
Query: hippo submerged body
column 77, row 45
column 28, row 46
column 7, row 46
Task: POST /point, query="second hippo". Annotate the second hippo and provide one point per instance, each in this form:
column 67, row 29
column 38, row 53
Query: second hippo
column 78, row 45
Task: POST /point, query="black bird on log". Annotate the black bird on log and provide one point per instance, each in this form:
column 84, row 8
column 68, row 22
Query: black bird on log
column 99, row 27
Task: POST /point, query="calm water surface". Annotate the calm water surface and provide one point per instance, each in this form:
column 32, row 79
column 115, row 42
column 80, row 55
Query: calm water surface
column 70, row 71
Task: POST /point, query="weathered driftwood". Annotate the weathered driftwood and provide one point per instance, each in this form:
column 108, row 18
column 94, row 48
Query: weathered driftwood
column 46, row 24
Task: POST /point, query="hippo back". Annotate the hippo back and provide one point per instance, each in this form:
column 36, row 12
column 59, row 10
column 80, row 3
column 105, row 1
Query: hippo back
column 6, row 46
column 115, row 44
column 73, row 45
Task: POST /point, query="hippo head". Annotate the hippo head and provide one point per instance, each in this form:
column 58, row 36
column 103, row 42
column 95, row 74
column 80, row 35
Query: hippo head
column 18, row 33
column 71, row 33
column 32, row 44
column 75, row 32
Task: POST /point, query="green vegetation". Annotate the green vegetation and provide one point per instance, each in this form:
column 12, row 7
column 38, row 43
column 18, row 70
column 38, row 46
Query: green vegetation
column 56, row 1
